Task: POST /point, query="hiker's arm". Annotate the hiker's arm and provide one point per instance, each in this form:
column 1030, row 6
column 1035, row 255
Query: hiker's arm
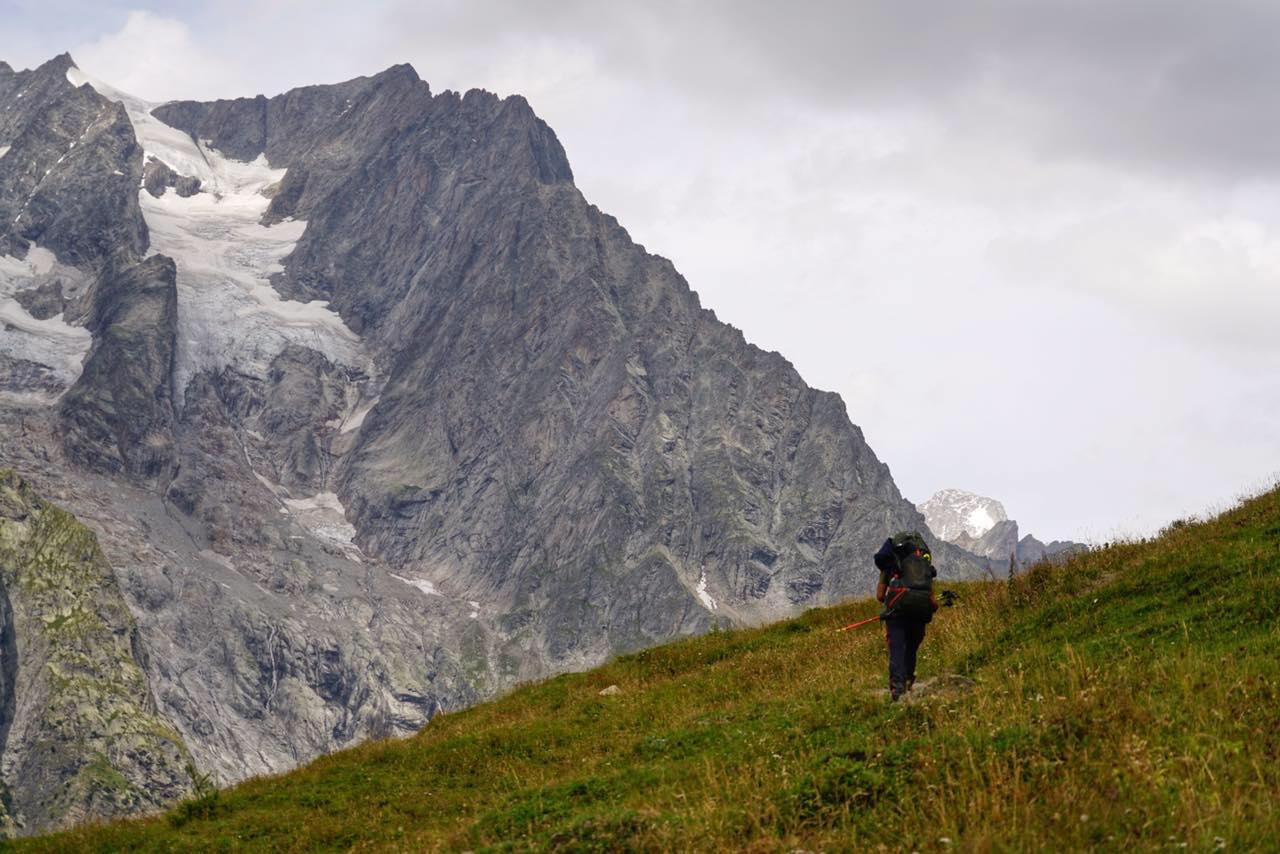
column 886, row 563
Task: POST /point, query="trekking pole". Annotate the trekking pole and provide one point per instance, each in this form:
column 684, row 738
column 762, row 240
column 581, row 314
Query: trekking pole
column 888, row 607
column 859, row 623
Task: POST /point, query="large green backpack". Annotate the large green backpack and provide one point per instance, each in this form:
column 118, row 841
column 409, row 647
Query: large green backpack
column 910, row 593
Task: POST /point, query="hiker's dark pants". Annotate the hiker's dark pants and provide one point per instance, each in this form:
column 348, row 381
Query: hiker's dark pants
column 904, row 638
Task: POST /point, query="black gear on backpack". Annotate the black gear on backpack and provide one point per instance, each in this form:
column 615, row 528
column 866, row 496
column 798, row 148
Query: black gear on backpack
column 910, row 595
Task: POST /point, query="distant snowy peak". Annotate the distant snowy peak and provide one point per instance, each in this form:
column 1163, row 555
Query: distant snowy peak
column 955, row 514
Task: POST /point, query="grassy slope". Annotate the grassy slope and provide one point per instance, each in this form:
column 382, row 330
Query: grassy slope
column 1129, row 699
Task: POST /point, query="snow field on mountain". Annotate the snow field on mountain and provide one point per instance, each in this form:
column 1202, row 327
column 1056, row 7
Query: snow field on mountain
column 52, row 343
column 703, row 596
column 952, row 512
column 355, row 420
column 979, row 519
column 422, row 584
column 228, row 313
column 324, row 517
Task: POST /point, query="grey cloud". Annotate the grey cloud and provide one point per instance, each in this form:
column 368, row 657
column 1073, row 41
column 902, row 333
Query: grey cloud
column 1162, row 84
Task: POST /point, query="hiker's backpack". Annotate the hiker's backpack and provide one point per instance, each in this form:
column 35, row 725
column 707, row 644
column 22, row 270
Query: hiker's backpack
column 910, row 593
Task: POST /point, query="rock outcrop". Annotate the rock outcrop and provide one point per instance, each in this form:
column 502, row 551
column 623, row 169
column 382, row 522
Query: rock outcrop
column 69, row 207
column 119, row 415
column 80, row 734
column 1000, row 542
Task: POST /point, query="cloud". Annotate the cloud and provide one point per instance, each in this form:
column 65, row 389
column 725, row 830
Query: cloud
column 1183, row 85
column 157, row 58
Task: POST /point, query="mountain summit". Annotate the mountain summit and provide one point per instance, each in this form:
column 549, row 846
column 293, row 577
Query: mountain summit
column 953, row 513
column 374, row 415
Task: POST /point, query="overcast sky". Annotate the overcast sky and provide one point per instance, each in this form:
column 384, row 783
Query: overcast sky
column 1032, row 244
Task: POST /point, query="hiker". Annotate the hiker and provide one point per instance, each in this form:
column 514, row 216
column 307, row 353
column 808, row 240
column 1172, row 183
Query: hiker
column 906, row 591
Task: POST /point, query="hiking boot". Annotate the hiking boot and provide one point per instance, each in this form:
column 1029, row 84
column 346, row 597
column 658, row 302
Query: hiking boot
column 895, row 691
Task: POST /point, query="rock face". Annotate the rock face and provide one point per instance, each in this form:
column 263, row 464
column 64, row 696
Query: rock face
column 119, row 415
column 1001, row 541
column 392, row 418
column 69, row 176
column 1031, row 550
column 69, row 210
column 80, row 735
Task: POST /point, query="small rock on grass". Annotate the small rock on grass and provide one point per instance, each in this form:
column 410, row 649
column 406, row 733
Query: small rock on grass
column 610, row 691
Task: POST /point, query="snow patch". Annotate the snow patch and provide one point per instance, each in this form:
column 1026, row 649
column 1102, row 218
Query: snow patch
column 54, row 344
column 4, row 149
column 421, row 583
column 229, row 315
column 42, row 261
column 354, row 421
column 707, row 602
column 323, row 516
column 980, row 520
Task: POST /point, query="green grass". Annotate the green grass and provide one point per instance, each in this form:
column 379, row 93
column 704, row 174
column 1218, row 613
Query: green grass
column 1127, row 700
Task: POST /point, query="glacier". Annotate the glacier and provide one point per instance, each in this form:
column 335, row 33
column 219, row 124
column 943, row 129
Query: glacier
column 229, row 315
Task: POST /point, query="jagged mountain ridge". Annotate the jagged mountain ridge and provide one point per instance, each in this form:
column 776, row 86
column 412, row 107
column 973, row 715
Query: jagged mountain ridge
column 379, row 415
column 980, row 526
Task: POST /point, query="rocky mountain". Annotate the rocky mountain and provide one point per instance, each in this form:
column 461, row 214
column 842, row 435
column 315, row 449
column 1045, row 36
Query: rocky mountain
column 953, row 514
column 1030, row 550
column 374, row 415
column 980, row 526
